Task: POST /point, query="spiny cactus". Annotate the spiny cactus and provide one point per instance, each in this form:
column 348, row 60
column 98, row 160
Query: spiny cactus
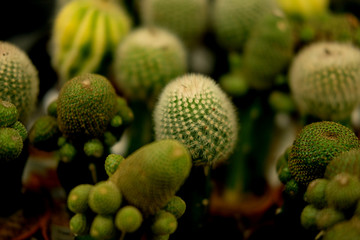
column 19, row 81
column 8, row 113
column 324, row 79
column 186, row 18
column 268, row 50
column 195, row 111
column 11, row 144
column 85, row 35
column 175, row 206
column 315, row 146
column 85, row 106
column 150, row 176
column 44, row 133
column 146, row 61
column 232, row 20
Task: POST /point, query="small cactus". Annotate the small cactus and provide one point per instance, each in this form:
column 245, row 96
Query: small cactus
column 11, row 144
column 147, row 59
column 128, row 219
column 105, row 198
column 175, row 206
column 85, row 35
column 164, row 223
column 8, row 113
column 112, row 162
column 79, row 224
column 315, row 192
column 102, row 227
column 195, row 111
column 348, row 161
column 19, row 81
column 308, row 217
column 327, row 217
column 315, row 146
column 44, row 133
column 77, row 200
column 324, row 79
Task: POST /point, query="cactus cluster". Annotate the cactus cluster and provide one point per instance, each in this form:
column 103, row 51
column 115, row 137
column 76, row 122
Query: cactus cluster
column 85, row 36
column 146, row 60
column 116, row 207
column 194, row 110
column 186, row 18
column 19, row 81
column 12, row 132
column 324, row 80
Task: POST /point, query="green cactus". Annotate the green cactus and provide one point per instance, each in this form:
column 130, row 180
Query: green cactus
column 20, row 127
column 11, row 144
column 102, row 227
column 194, row 110
column 157, row 169
column 44, row 133
column 85, row 35
column 19, row 81
column 79, row 224
column 328, row 217
column 112, row 162
column 308, row 216
column 186, row 18
column 146, row 61
column 8, row 113
column 233, row 20
column 324, row 79
column 78, row 198
column 94, row 148
column 315, row 146
column 85, row 106
column 315, row 192
column 164, row 223
column 105, row 198
column 128, row 219
column 268, row 50
column 346, row 230
column 348, row 161
column 175, row 206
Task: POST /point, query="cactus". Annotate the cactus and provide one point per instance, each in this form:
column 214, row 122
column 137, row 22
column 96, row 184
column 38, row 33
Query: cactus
column 304, row 9
column 19, row 81
column 164, row 223
column 348, row 161
column 315, row 146
column 105, row 198
column 8, row 113
column 194, row 110
column 146, row 61
column 85, row 106
column 176, row 206
column 128, row 219
column 324, row 79
column 77, row 200
column 315, row 192
column 11, row 144
column 233, row 20
column 44, row 133
column 78, row 224
column 102, row 227
column 85, row 35
column 157, row 169
column 268, row 50
column 327, row 217
column 308, row 217
column 112, row 162
column 186, row 18
column 349, row 230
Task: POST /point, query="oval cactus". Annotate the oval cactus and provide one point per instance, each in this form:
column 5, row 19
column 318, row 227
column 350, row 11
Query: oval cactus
column 158, row 170
column 85, row 106
column 324, row 79
column 19, row 81
column 128, row 219
column 11, row 144
column 186, row 18
column 194, row 110
column 315, row 146
column 8, row 113
column 146, row 61
column 85, row 35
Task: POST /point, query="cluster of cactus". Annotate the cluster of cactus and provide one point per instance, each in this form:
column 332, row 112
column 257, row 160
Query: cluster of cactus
column 12, row 132
column 324, row 80
column 233, row 20
column 194, row 110
column 19, row 81
column 333, row 202
column 139, row 194
column 186, row 18
column 146, row 60
column 86, row 119
column 85, row 36
column 315, row 146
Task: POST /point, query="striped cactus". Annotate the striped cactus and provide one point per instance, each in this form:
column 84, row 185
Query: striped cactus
column 85, row 35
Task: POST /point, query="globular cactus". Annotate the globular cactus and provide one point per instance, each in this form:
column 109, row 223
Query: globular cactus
column 195, row 111
column 8, row 113
column 348, row 162
column 147, row 59
column 128, row 219
column 85, row 35
column 186, row 18
column 102, row 227
column 11, row 144
column 44, row 133
column 151, row 176
column 324, row 79
column 85, row 106
column 268, row 50
column 78, row 198
column 164, row 223
column 105, row 198
column 19, row 81
column 344, row 230
column 315, row 146
column 78, row 224
column 233, row 20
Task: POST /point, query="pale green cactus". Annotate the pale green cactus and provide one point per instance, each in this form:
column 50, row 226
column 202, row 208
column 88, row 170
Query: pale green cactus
column 105, row 198
column 164, row 223
column 85, row 35
column 79, row 224
column 194, row 110
column 78, row 198
column 102, row 227
column 19, row 81
column 128, row 219
column 8, row 113
column 147, row 59
column 324, row 79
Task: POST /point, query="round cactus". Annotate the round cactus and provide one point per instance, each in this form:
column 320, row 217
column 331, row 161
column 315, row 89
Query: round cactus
column 176, row 206
column 102, row 227
column 308, row 217
column 327, row 217
column 315, row 146
column 186, row 18
column 19, row 81
column 94, row 148
column 85, row 35
column 348, row 161
column 164, row 223
column 20, row 127
column 146, row 61
column 324, row 79
column 85, row 106
column 112, row 162
column 232, row 20
column 128, row 219
column 315, row 192
column 194, row 110
column 157, row 169
column 11, row 144
column 44, row 133
column 349, row 230
column 268, row 50
column 105, row 198
column 78, row 198
column 8, row 113
column 78, row 224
